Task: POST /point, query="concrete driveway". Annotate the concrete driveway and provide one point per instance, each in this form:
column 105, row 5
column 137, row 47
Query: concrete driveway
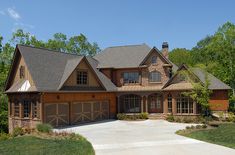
column 144, row 138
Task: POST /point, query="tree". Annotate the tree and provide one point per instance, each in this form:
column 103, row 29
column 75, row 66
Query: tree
column 201, row 92
column 180, row 56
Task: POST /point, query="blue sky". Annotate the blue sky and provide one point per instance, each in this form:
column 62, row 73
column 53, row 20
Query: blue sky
column 119, row 22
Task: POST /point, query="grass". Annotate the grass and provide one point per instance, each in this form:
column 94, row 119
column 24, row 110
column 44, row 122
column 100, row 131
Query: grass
column 30, row 145
column 222, row 135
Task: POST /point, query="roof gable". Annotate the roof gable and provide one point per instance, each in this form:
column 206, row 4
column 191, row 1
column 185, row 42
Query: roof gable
column 70, row 81
column 154, row 49
column 199, row 75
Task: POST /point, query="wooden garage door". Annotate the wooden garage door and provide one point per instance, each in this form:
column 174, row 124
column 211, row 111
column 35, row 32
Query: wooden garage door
column 57, row 114
column 82, row 112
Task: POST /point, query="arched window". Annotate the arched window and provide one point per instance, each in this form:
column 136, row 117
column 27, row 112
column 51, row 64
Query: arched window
column 154, row 59
column 131, row 103
column 155, row 76
column 169, row 103
column 184, row 104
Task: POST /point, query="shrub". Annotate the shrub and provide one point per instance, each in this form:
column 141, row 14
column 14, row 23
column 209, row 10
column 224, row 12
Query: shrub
column 46, row 128
column 178, row 120
column 192, row 127
column 121, row 116
column 17, row 131
column 198, row 126
column 4, row 136
column 188, row 127
column 204, row 126
column 170, row 118
column 231, row 117
column 144, row 115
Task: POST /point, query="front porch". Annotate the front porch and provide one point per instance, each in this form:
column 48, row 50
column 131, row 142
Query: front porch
column 156, row 103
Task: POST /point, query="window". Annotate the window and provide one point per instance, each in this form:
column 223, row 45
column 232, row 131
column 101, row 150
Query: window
column 169, row 103
column 26, row 105
column 22, row 72
column 82, row 78
column 17, row 109
column 154, row 60
column 184, row 104
column 155, row 76
column 131, row 77
column 35, row 110
column 132, row 103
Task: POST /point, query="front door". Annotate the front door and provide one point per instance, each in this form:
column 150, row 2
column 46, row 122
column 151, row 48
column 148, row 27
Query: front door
column 155, row 104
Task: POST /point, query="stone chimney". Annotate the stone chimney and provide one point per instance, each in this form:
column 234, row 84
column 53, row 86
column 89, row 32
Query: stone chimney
column 165, row 49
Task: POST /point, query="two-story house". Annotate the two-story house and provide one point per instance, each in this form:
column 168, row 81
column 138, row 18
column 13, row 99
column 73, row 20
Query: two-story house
column 67, row 89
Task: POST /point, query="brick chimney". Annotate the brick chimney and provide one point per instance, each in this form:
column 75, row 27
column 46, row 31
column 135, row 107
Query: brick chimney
column 165, row 49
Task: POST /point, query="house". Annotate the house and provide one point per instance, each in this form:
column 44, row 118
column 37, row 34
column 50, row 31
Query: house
column 67, row 89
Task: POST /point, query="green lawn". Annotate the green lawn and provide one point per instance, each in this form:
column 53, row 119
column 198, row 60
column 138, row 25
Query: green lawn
column 29, row 145
column 223, row 135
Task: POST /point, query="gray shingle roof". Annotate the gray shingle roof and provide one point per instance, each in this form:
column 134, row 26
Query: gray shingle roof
column 215, row 83
column 122, row 56
column 45, row 66
column 50, row 69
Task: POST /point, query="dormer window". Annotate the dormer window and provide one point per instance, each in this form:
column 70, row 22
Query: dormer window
column 82, row 77
column 154, row 60
column 22, row 72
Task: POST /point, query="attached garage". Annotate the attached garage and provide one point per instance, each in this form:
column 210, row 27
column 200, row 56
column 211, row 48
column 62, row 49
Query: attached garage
column 62, row 114
column 57, row 114
column 82, row 112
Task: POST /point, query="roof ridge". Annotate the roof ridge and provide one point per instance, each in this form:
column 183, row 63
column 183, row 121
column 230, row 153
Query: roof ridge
column 127, row 45
column 47, row 49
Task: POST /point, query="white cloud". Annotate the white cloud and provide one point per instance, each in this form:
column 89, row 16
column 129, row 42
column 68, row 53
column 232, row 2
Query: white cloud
column 13, row 14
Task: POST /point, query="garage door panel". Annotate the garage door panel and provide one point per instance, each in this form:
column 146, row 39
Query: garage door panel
column 89, row 111
column 57, row 114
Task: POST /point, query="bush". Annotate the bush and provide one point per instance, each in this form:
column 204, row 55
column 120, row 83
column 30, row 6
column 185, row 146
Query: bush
column 231, row 117
column 170, row 118
column 121, row 116
column 45, row 128
column 144, row 115
column 188, row 127
column 4, row 136
column 178, row 120
column 204, row 126
column 198, row 127
column 17, row 131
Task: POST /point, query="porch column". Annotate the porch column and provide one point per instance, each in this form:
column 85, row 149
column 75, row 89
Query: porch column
column 165, row 104
column 174, row 107
column 118, row 104
column 142, row 104
column 146, row 104
column 194, row 108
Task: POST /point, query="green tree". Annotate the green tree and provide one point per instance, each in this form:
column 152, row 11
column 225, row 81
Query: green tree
column 180, row 56
column 201, row 92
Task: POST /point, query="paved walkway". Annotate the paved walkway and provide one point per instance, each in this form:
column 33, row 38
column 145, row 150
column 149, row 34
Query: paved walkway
column 144, row 138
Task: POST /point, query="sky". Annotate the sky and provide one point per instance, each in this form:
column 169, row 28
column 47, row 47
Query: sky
column 181, row 23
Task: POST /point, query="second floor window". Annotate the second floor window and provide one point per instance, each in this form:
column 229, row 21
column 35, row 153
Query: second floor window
column 82, row 78
column 154, row 60
column 22, row 72
column 155, row 76
column 131, row 77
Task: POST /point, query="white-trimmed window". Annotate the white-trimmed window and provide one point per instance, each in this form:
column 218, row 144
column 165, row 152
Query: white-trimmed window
column 169, row 103
column 155, row 76
column 184, row 104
